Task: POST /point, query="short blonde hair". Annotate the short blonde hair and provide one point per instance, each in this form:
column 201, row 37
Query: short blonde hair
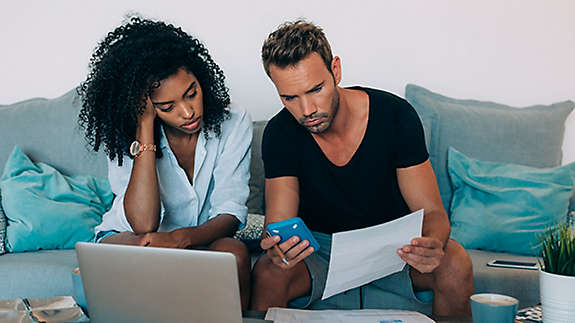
column 294, row 41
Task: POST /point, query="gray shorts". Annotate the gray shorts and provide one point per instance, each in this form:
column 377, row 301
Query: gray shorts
column 392, row 292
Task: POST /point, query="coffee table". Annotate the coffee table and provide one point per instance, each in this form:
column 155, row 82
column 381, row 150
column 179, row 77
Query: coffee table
column 458, row 320
column 439, row 319
column 261, row 314
column 444, row 319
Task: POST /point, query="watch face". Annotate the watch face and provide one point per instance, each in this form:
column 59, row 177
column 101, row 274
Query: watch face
column 135, row 148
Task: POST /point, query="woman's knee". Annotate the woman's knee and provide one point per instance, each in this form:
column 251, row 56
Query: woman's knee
column 231, row 245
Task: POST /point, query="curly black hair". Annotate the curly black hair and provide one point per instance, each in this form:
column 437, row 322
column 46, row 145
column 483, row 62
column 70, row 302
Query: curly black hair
column 124, row 69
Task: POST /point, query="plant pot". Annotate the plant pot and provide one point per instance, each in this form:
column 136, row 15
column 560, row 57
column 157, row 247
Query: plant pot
column 557, row 297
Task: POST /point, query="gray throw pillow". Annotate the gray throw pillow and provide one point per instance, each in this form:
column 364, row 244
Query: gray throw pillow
column 488, row 131
column 2, row 227
column 256, row 202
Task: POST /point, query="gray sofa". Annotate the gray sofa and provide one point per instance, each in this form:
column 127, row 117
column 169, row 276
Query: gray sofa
column 47, row 130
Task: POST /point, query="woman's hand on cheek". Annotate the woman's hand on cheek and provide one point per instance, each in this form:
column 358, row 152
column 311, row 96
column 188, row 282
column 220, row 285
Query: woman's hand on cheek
column 149, row 113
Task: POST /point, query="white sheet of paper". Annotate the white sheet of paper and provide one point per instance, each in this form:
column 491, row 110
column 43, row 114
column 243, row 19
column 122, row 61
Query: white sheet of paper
column 364, row 255
column 287, row 315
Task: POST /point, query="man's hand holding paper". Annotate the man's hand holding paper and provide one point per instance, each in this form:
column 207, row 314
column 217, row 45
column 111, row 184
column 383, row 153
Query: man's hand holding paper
column 361, row 256
column 423, row 254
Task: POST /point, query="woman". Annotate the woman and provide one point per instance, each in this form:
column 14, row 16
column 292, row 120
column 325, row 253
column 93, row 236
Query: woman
column 178, row 156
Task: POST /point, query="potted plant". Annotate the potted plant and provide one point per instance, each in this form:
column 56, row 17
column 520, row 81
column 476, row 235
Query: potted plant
column 557, row 275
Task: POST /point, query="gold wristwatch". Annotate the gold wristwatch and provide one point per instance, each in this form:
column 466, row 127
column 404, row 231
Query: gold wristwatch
column 137, row 148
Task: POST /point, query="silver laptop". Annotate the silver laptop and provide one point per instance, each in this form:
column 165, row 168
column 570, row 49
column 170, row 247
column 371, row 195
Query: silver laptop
column 144, row 284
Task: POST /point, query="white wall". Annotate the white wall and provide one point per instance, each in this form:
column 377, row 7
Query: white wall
column 513, row 52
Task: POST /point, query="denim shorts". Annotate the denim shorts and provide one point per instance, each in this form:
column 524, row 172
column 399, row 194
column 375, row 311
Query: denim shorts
column 101, row 235
column 391, row 292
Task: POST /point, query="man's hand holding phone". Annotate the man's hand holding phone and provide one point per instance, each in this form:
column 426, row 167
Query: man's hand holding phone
column 288, row 242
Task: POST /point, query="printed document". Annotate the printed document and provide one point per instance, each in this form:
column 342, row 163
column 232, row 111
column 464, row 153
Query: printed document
column 287, row 315
column 364, row 255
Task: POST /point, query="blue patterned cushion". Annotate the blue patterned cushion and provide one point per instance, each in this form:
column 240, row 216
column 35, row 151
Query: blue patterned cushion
column 252, row 232
column 253, row 229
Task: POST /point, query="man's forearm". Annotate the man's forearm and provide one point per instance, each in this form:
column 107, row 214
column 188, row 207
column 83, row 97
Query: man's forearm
column 436, row 225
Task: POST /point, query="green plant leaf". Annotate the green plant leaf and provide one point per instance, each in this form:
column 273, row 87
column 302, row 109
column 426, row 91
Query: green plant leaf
column 557, row 249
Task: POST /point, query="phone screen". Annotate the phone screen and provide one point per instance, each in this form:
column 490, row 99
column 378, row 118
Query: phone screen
column 514, row 263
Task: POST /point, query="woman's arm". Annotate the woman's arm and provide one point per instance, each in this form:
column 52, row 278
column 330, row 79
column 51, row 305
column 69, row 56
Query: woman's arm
column 142, row 197
column 223, row 225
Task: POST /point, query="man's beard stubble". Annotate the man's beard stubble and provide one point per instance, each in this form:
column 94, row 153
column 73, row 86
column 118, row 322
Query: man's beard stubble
column 323, row 126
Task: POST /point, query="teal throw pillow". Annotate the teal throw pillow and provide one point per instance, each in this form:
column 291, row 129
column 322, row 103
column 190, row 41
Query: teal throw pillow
column 504, row 207
column 47, row 210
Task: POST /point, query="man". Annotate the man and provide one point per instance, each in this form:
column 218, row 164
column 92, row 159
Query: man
column 343, row 159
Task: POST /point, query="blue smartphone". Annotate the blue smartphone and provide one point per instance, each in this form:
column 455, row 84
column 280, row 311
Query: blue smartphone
column 292, row 227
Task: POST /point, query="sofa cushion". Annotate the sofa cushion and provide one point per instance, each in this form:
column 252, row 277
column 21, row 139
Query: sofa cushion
column 47, row 130
column 505, row 207
column 47, row 210
column 39, row 274
column 522, row 284
column 489, row 131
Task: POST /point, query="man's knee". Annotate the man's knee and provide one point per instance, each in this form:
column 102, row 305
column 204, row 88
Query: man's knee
column 456, row 267
column 266, row 273
column 457, row 259
column 286, row 283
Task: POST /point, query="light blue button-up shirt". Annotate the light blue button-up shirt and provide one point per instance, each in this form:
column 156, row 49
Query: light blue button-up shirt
column 221, row 176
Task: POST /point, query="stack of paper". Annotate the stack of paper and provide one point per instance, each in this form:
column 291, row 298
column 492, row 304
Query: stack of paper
column 286, row 315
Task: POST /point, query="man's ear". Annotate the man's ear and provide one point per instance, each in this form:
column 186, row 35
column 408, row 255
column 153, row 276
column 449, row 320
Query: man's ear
column 336, row 69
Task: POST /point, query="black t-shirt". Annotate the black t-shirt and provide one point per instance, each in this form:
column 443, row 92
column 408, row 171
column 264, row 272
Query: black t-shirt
column 362, row 193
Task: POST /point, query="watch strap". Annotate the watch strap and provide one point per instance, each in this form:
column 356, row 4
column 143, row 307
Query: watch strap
column 145, row 147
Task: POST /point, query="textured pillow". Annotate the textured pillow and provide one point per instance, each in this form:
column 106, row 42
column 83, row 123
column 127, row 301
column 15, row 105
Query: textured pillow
column 503, row 207
column 253, row 229
column 252, row 232
column 489, row 131
column 2, row 227
column 47, row 210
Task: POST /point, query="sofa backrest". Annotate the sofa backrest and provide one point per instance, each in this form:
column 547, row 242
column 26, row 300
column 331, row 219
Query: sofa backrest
column 531, row 136
column 47, row 130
